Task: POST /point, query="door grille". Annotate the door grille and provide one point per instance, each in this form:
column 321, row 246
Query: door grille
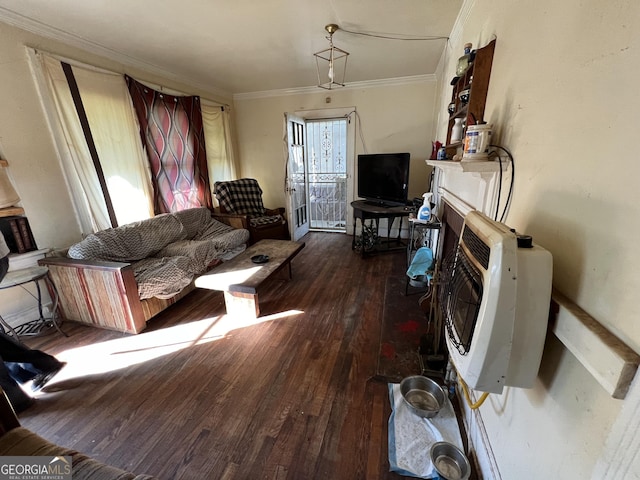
column 327, row 174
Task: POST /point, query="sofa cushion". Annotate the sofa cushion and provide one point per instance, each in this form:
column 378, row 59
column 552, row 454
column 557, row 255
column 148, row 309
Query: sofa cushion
column 166, row 251
column 262, row 221
column 24, row 443
column 194, row 220
column 175, row 266
column 131, row 242
column 162, row 277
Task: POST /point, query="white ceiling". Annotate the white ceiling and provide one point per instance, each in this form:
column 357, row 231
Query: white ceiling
column 239, row 46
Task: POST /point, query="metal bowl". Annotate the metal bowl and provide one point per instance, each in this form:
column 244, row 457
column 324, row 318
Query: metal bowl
column 449, row 461
column 423, row 396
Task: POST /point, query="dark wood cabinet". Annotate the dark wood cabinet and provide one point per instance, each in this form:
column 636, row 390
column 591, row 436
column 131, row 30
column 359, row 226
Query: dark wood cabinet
column 476, row 79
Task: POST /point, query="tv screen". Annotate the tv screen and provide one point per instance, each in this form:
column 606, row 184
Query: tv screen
column 383, row 178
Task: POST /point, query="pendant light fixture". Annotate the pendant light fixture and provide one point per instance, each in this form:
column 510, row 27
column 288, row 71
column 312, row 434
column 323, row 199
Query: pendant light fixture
column 331, row 63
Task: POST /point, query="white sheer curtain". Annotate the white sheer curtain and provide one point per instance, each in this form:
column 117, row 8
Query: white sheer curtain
column 72, row 147
column 218, row 143
column 115, row 130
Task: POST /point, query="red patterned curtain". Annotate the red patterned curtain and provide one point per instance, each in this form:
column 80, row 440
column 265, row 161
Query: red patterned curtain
column 172, row 132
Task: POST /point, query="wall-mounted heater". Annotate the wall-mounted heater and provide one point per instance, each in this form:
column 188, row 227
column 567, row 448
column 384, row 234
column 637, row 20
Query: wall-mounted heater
column 494, row 295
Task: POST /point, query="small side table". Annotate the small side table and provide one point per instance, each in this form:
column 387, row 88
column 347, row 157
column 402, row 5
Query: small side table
column 421, row 234
column 21, row 277
column 365, row 211
column 424, row 231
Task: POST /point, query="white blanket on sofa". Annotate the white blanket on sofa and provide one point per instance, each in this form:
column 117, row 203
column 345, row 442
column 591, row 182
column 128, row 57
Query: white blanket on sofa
column 166, row 251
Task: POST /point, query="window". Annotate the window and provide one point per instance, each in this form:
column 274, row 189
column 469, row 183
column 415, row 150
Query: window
column 111, row 185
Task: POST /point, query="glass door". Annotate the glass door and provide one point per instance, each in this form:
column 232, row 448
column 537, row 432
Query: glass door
column 327, row 174
column 296, row 178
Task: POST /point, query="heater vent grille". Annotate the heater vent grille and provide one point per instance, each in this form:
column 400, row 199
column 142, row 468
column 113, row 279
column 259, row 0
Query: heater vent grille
column 460, row 298
column 477, row 247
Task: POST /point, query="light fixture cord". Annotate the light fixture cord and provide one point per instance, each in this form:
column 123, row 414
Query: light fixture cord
column 331, row 73
column 394, row 36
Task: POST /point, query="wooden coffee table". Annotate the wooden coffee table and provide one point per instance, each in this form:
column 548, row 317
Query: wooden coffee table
column 240, row 278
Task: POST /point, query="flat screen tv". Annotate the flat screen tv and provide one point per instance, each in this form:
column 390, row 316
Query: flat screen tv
column 383, row 178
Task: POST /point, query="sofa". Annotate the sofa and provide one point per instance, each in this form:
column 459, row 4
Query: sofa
column 18, row 441
column 121, row 277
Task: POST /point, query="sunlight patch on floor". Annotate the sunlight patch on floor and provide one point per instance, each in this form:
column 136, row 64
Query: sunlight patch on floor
column 131, row 350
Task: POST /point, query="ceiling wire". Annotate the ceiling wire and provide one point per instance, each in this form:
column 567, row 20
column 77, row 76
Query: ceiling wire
column 394, row 36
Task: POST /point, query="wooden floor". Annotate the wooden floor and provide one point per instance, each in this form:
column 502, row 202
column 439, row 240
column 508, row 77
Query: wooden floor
column 197, row 396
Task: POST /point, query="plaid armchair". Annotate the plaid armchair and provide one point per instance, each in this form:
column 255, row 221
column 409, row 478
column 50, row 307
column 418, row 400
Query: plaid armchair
column 241, row 207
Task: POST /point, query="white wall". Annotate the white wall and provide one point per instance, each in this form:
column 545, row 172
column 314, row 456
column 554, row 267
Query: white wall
column 562, row 99
column 396, row 118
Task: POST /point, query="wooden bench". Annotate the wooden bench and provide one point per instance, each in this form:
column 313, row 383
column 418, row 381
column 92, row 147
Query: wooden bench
column 240, row 278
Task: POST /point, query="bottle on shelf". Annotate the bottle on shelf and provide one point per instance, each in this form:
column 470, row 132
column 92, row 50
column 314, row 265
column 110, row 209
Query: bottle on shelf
column 456, row 131
column 424, row 214
column 464, row 61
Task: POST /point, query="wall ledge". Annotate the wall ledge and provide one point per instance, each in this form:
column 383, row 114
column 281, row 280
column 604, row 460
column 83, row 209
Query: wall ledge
column 612, row 362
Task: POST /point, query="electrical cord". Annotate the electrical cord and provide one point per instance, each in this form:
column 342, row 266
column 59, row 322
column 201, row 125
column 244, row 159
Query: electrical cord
column 359, row 127
column 510, row 194
column 395, row 36
column 465, row 389
column 495, row 215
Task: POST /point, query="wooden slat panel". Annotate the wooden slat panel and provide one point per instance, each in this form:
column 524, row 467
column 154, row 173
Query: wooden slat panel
column 95, row 297
column 104, row 294
column 152, row 306
column 107, row 296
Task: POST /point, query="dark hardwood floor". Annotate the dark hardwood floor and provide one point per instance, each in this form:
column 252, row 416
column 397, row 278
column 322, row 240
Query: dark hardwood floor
column 198, row 396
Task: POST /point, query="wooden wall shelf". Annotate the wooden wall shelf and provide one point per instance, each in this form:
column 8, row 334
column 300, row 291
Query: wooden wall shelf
column 611, row 362
column 11, row 211
column 476, row 79
column 462, row 166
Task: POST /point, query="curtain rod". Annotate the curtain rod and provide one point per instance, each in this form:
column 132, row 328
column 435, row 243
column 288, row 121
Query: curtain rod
column 155, row 86
column 73, row 62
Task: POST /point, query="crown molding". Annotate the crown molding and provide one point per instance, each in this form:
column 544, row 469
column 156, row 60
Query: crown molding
column 47, row 31
column 461, row 20
column 387, row 82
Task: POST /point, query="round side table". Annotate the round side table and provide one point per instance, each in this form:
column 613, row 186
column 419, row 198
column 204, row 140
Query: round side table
column 21, row 277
